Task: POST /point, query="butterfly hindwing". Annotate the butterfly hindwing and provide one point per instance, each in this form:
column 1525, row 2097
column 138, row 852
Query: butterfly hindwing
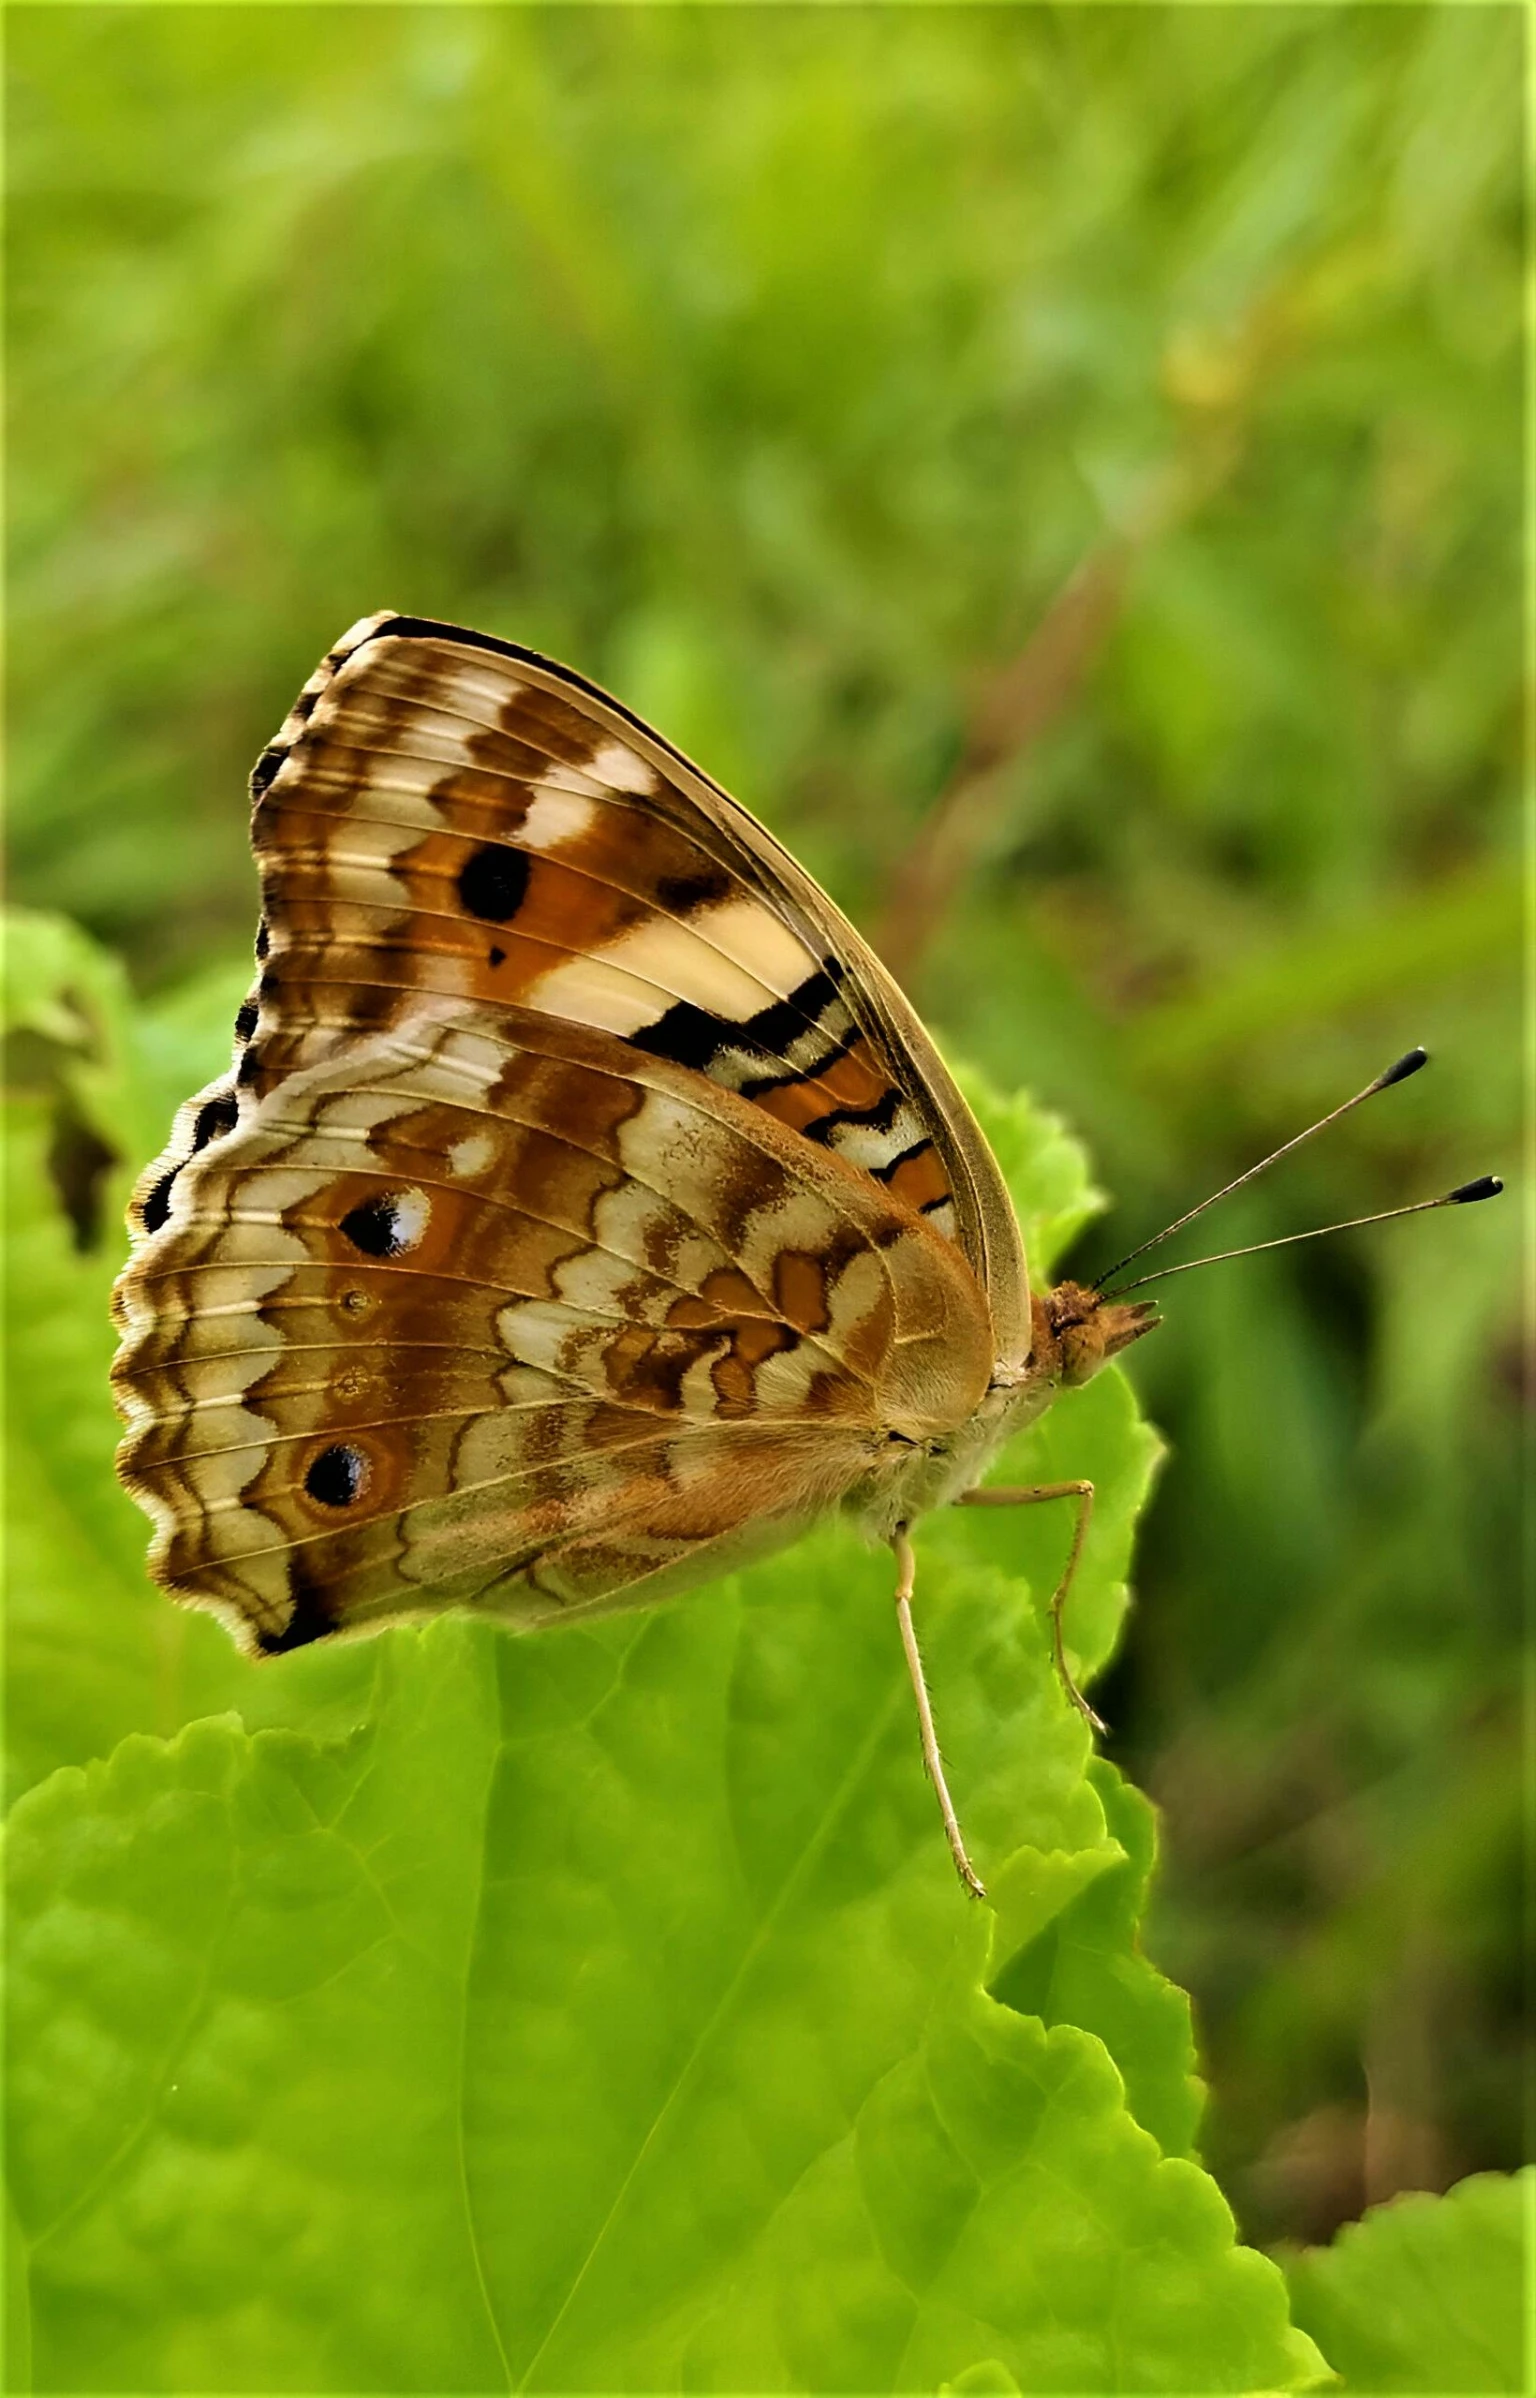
column 488, row 1306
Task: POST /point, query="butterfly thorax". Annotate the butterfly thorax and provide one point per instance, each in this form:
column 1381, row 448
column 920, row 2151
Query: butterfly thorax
column 1075, row 1333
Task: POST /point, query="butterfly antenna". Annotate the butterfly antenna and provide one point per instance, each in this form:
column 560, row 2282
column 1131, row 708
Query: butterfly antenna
column 1487, row 1186
column 1399, row 1072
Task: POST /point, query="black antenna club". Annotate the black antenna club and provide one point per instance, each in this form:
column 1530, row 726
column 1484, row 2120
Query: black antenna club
column 1485, row 1186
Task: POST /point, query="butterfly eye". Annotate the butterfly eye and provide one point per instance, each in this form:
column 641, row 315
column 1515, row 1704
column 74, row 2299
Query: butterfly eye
column 493, row 883
column 337, row 1476
column 388, row 1223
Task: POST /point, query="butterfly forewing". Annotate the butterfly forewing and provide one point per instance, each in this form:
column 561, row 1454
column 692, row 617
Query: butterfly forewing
column 445, row 817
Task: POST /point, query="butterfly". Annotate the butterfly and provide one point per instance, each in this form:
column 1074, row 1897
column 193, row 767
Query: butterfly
column 585, row 1210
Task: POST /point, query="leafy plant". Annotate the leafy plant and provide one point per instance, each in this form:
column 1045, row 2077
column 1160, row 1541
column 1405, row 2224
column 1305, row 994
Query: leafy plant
column 1428, row 2293
column 597, row 2009
column 594, row 2010
column 600, row 2016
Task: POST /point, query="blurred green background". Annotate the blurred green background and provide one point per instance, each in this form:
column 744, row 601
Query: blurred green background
column 1062, row 468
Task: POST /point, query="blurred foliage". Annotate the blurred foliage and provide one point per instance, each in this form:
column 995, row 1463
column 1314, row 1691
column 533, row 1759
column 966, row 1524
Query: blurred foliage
column 778, row 368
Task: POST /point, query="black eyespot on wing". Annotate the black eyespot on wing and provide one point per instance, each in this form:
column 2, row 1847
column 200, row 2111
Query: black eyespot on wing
column 245, row 1020
column 336, row 1477
column 215, row 1118
column 493, row 883
column 263, row 938
column 156, row 1207
column 497, row 956
column 374, row 1226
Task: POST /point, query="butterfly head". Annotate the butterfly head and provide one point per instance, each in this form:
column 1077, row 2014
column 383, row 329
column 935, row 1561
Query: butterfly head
column 1079, row 1330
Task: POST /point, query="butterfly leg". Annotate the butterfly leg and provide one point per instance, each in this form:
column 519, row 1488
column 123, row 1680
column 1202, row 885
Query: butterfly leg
column 906, row 1577
column 1082, row 1492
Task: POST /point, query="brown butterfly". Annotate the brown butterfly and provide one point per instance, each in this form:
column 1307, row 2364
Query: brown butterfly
column 585, row 1211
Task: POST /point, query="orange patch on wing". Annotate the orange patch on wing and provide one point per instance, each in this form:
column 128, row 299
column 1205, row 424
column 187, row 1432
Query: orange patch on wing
column 920, row 1181
column 724, row 1296
column 800, row 1290
column 855, row 1080
column 735, row 1375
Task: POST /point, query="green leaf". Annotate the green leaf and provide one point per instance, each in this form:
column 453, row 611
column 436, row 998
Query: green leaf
column 604, row 2014
column 1085, row 1966
column 1428, row 2294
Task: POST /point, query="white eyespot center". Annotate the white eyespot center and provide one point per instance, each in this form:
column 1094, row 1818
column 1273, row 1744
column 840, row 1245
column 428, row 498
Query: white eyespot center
column 412, row 1215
